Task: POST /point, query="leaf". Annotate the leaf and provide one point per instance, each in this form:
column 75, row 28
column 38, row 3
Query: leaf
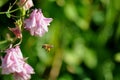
column 8, row 15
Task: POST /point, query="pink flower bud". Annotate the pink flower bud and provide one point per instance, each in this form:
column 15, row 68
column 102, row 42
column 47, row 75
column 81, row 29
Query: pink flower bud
column 16, row 31
column 26, row 5
column 37, row 23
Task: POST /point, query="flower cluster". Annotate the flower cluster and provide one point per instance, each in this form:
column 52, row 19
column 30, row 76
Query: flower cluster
column 13, row 62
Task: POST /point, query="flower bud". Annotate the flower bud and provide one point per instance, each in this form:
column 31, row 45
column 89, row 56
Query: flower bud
column 16, row 31
column 26, row 4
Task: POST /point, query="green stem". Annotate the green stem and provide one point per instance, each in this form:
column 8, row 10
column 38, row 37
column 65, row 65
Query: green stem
column 18, row 42
column 12, row 5
column 9, row 11
column 14, row 9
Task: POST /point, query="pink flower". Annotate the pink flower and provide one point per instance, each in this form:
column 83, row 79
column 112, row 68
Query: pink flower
column 37, row 23
column 25, row 74
column 13, row 62
column 26, row 5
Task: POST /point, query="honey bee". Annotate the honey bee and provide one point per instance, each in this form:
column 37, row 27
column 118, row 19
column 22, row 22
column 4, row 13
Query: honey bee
column 47, row 47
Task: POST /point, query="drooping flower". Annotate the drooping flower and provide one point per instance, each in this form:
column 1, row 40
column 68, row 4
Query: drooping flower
column 13, row 62
column 26, row 4
column 16, row 31
column 25, row 74
column 37, row 24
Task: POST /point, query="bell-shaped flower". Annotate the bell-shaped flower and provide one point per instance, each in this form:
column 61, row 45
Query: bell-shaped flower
column 12, row 61
column 37, row 24
column 25, row 74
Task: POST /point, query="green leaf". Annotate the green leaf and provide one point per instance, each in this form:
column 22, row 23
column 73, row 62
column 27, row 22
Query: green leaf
column 8, row 15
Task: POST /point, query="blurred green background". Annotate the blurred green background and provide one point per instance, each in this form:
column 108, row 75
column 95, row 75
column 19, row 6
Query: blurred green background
column 85, row 35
